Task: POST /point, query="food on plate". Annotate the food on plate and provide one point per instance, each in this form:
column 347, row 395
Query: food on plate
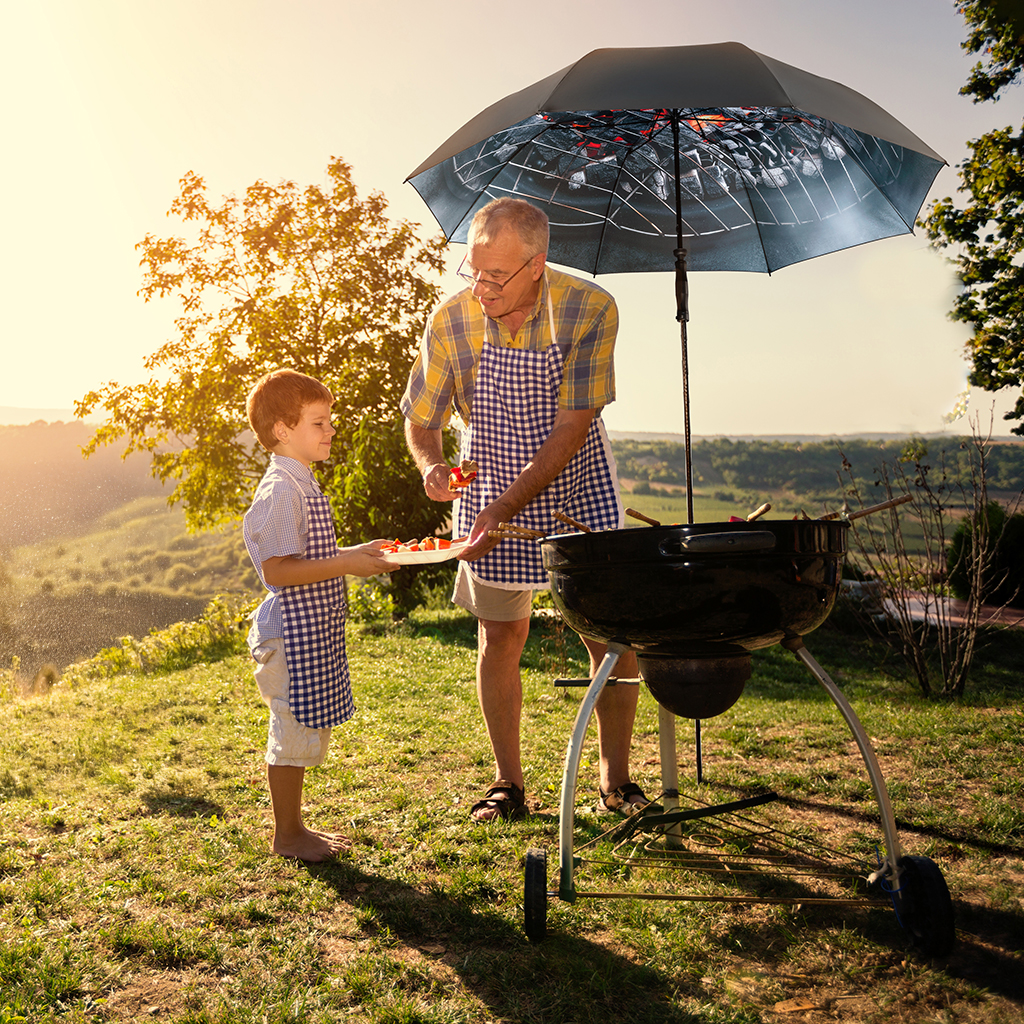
column 395, row 547
column 462, row 475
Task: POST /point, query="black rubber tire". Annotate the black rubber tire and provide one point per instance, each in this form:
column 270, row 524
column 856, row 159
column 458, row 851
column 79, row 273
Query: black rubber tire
column 535, row 895
column 924, row 907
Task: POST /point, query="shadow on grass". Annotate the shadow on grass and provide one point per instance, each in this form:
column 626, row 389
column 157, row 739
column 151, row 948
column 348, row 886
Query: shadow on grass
column 563, row 978
column 990, row 939
column 870, row 819
column 988, row 950
column 568, row 977
column 178, row 806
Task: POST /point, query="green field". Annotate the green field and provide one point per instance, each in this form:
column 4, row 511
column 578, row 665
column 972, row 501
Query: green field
column 672, row 508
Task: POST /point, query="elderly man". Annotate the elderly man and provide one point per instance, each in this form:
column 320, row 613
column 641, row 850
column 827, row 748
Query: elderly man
column 524, row 358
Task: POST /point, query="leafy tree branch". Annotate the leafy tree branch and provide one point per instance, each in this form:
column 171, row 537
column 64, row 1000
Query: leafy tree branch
column 986, row 234
column 314, row 278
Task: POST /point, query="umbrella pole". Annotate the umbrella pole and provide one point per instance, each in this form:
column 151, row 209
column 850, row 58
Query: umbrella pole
column 682, row 315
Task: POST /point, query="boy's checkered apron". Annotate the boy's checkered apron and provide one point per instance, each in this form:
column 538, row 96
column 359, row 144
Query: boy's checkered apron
column 319, row 692
column 514, row 407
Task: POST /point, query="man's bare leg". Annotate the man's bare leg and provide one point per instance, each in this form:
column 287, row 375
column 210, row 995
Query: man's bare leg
column 291, row 837
column 500, row 692
column 616, row 712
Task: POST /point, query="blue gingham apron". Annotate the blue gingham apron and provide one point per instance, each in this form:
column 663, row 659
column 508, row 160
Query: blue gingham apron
column 319, row 691
column 515, row 402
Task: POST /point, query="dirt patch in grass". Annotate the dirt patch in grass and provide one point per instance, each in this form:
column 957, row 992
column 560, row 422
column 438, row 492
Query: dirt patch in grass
column 148, row 997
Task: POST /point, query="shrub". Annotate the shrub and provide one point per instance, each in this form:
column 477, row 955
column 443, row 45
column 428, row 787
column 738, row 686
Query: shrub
column 1003, row 577
column 369, row 602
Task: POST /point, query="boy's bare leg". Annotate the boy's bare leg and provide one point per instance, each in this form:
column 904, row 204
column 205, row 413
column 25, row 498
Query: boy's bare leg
column 291, row 837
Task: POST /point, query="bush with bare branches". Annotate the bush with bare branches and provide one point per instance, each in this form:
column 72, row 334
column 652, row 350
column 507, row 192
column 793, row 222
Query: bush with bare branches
column 932, row 633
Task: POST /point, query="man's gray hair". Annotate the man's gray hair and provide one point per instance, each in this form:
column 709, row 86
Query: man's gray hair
column 528, row 222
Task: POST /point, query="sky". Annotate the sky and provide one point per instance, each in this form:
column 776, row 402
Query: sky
column 108, row 103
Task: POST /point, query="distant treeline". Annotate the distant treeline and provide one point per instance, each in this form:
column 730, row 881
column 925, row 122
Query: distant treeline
column 49, row 490
column 804, row 468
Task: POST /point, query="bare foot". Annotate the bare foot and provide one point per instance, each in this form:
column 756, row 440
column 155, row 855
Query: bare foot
column 312, row 847
column 346, row 843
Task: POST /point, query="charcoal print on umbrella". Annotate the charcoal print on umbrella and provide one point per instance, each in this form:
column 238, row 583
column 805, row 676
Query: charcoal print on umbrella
column 760, row 188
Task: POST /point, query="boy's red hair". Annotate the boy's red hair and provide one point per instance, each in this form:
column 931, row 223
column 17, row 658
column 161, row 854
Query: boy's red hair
column 279, row 397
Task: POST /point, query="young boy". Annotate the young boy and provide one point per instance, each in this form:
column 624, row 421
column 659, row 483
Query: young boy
column 298, row 633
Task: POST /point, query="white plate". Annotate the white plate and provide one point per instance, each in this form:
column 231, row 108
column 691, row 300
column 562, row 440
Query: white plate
column 422, row 557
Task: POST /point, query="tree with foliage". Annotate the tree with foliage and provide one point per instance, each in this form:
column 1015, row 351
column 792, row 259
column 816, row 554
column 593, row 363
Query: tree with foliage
column 315, row 279
column 987, row 235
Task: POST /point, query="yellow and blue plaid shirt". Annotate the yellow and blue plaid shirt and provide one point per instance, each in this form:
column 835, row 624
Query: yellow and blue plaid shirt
column 443, row 376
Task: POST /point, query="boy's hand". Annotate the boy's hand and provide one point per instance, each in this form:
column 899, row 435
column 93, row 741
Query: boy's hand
column 367, row 560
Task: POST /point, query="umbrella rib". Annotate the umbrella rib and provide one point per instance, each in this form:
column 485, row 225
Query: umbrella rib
column 609, row 216
column 868, row 175
column 893, row 175
column 828, row 188
column 779, row 189
column 850, row 151
column 747, row 211
column 628, row 204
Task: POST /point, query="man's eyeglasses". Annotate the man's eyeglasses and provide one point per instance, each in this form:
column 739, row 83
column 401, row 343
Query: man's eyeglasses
column 475, row 279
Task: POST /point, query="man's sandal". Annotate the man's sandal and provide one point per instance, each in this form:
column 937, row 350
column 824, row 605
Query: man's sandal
column 621, row 800
column 504, row 797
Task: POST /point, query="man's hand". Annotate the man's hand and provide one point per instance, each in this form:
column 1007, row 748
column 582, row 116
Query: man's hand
column 565, row 440
column 435, row 482
column 426, row 447
column 480, row 539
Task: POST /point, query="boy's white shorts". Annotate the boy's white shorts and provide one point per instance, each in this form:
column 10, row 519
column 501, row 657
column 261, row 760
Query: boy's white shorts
column 288, row 741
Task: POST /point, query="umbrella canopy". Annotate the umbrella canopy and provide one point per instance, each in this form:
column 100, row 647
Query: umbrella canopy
column 745, row 162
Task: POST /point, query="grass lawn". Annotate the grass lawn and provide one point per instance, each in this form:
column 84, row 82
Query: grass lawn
column 136, row 884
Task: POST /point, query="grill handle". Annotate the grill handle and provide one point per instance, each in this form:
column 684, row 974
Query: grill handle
column 718, row 543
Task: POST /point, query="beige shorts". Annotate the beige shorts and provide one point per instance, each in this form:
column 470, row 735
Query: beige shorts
column 489, row 602
column 288, row 741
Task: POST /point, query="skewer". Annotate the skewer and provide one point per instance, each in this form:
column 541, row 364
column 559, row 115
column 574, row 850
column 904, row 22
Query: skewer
column 760, row 511
column 891, row 503
column 511, row 530
column 639, row 515
column 563, row 518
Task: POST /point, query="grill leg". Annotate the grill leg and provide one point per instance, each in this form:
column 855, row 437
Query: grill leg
column 567, row 807
column 669, row 772
column 890, row 868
